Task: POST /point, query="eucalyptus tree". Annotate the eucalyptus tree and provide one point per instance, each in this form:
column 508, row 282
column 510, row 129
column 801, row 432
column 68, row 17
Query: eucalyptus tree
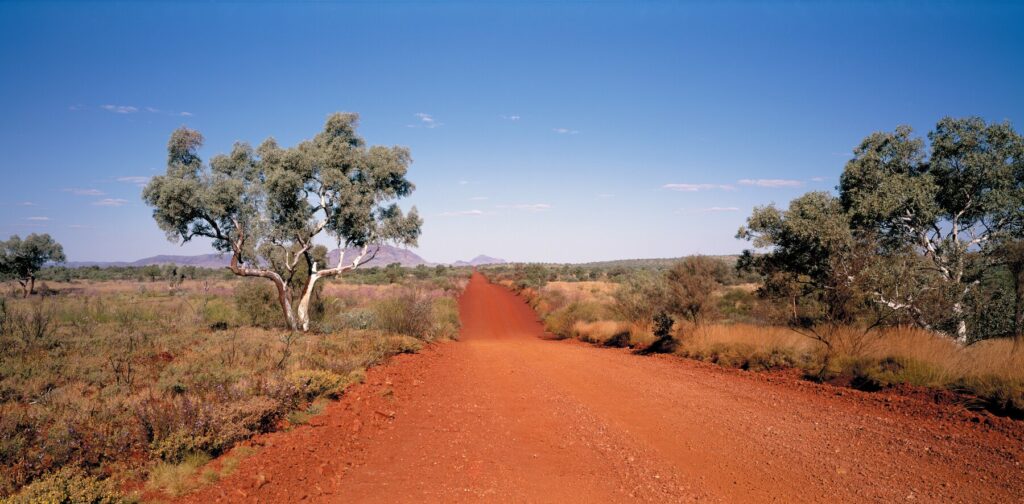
column 948, row 207
column 21, row 259
column 266, row 206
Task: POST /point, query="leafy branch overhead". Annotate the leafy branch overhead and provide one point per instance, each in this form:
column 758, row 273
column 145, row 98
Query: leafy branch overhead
column 265, row 206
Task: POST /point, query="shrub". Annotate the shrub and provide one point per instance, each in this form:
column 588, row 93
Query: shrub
column 321, row 383
column 561, row 321
column 257, row 304
column 176, row 479
column 411, row 314
column 69, row 485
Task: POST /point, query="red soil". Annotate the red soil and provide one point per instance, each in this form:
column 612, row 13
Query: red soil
column 505, row 415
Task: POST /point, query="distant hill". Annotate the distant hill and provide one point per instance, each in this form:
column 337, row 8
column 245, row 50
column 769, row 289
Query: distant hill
column 480, row 260
column 387, row 255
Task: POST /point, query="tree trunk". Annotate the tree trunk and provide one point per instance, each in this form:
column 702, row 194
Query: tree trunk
column 31, row 284
column 286, row 304
column 307, row 294
column 961, row 324
column 283, row 297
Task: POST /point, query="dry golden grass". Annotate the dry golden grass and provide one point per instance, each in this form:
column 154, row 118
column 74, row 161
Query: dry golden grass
column 600, row 292
column 600, row 331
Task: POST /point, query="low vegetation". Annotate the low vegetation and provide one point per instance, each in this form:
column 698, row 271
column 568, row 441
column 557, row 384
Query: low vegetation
column 113, row 381
column 737, row 326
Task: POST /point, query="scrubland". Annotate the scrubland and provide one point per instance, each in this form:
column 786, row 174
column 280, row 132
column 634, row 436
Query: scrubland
column 987, row 374
column 112, row 389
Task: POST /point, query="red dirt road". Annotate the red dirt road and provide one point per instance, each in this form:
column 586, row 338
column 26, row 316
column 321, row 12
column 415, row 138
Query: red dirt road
column 505, row 415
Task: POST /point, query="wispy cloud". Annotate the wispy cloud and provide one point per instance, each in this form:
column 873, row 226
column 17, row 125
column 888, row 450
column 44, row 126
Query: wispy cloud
column 462, row 213
column 110, row 202
column 697, row 187
column 715, row 209
column 479, row 198
column 426, row 121
column 773, row 183
column 817, row 179
column 605, row 195
column 84, row 192
column 120, row 109
column 565, row 131
column 78, row 226
column 529, row 207
column 26, row 203
column 463, row 182
column 38, row 219
column 131, row 109
column 512, row 117
column 139, row 181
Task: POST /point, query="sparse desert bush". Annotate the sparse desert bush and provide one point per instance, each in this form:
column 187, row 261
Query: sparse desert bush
column 322, row 383
column 560, row 322
column 257, row 304
column 69, row 485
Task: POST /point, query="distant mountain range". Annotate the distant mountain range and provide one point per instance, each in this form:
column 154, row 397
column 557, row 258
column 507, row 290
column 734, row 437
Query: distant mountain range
column 480, row 260
column 385, row 256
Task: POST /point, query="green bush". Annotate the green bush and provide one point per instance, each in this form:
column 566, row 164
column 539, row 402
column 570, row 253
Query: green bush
column 69, row 485
column 321, row 383
column 410, row 313
column 560, row 322
column 257, row 304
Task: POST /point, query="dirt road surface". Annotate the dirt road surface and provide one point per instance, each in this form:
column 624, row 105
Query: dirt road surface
column 506, row 415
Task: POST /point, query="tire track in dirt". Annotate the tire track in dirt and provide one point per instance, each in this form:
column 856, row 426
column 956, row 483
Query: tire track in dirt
column 505, row 415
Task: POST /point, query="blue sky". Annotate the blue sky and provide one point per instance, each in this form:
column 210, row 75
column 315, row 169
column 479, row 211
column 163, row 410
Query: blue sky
column 541, row 131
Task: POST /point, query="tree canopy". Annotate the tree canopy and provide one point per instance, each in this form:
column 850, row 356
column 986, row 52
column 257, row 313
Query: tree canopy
column 933, row 218
column 265, row 206
column 21, row 259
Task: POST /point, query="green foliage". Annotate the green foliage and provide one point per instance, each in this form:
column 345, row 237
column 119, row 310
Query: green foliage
column 640, row 297
column 411, row 313
column 21, row 259
column 314, row 383
column 257, row 304
column 69, row 485
column 560, row 322
column 266, row 205
column 691, row 284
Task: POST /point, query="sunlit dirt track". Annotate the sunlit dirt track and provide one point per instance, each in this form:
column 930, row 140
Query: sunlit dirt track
column 507, row 415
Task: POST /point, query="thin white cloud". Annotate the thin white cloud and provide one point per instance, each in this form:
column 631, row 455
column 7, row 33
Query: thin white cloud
column 26, row 203
column 78, row 226
column 565, row 131
column 426, row 120
column 479, row 198
column 605, row 195
column 110, row 202
column 463, row 182
column 139, row 181
column 773, row 183
column 529, row 207
column 76, row 107
column 512, row 117
column 462, row 213
column 718, row 209
column 38, row 219
column 120, row 109
column 697, row 187
column 79, row 191
column 817, row 179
